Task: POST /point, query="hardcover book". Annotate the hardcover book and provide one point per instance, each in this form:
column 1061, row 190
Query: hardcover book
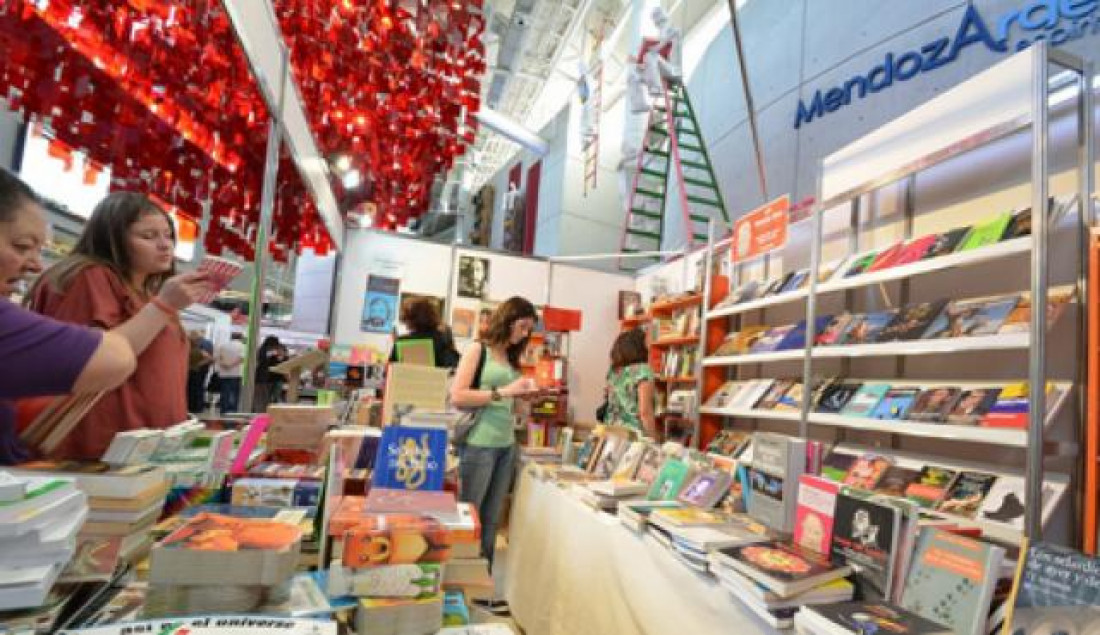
column 952, row 580
column 411, row 458
column 777, row 462
column 833, row 332
column 966, row 494
column 971, row 318
column 933, row 404
column 947, row 242
column 670, row 480
column 866, row 538
column 379, row 540
column 972, row 406
column 865, row 400
column 987, row 233
column 813, row 525
column 912, row 321
column 867, row 471
column 1056, row 590
column 706, row 489
column 835, row 396
column 865, row 618
column 895, row 403
column 866, row 329
column 782, row 567
column 931, row 485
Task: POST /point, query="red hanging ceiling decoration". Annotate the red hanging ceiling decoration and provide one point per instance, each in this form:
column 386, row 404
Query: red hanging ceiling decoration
column 161, row 92
column 392, row 84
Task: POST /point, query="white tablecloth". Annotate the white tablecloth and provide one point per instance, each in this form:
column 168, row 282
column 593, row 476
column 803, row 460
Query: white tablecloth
column 570, row 570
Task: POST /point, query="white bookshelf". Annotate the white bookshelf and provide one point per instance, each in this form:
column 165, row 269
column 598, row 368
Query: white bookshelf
column 759, row 303
column 752, row 413
column 755, row 358
column 922, row 267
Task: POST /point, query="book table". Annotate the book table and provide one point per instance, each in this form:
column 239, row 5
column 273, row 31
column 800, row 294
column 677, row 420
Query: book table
column 571, row 570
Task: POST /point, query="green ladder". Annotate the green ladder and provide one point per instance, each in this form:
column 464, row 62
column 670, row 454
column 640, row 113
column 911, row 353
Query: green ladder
column 673, row 140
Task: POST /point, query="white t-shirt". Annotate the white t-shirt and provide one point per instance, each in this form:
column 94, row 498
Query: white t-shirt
column 229, row 358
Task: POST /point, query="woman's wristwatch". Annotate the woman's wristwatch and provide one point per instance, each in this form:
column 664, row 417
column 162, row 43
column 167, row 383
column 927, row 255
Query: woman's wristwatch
column 494, row 394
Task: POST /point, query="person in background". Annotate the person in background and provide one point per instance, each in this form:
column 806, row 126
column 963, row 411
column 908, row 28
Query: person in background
column 484, row 316
column 40, row 356
column 229, row 362
column 630, row 384
column 198, row 367
column 421, row 317
column 121, row 276
column 268, row 385
column 487, row 459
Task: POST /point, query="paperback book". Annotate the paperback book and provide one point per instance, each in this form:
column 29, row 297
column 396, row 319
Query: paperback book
column 867, row 471
column 866, row 538
column 863, row 403
column 411, row 458
column 783, row 567
column 971, row 318
column 896, row 481
column 912, row 321
column 670, row 480
column 813, row 528
column 946, row 242
column 836, row 465
column 895, row 403
column 934, row 404
column 864, row 618
column 966, row 494
column 835, row 396
column 866, row 328
column 834, row 331
column 706, row 489
column 931, row 485
column 972, row 406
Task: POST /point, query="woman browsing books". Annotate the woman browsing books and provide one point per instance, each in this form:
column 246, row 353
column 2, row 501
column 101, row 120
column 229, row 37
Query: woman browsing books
column 630, row 384
column 40, row 356
column 487, row 459
column 121, row 276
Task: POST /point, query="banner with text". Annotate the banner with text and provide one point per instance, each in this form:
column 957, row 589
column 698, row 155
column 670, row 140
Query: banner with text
column 762, row 230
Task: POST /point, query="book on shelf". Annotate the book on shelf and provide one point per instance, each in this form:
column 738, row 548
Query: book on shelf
column 729, row 443
column 896, row 481
column 947, row 242
column 915, row 250
column 706, row 489
column 895, row 404
column 931, row 485
column 783, row 567
column 829, row 269
column 836, row 465
column 771, row 339
column 864, row 618
column 865, row 328
column 833, row 332
column 863, row 403
column 867, row 537
column 866, row 471
column 971, row 317
column 968, row 490
column 630, row 305
column 1012, row 406
column 886, row 258
column 1056, row 589
column 813, row 528
column 12, row 488
column 1004, row 502
column 777, row 463
column 775, row 391
column 972, row 406
column 26, row 587
column 952, row 579
column 860, row 263
column 835, row 396
column 934, row 404
column 791, row 399
column 753, row 392
column 912, row 321
column 796, row 337
column 798, row 280
column 988, row 233
column 133, row 447
column 1019, row 320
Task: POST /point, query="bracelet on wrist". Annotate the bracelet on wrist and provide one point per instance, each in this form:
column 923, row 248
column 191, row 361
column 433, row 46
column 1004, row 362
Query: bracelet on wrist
column 164, row 307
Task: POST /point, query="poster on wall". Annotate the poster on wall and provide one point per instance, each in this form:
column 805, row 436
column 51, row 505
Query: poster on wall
column 762, row 230
column 473, row 277
column 462, row 322
column 380, row 304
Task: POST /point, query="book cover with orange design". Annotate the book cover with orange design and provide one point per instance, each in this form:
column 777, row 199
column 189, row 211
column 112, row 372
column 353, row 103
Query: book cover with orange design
column 378, row 540
column 217, row 549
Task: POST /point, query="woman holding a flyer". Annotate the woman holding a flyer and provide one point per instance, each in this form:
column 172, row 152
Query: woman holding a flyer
column 121, row 276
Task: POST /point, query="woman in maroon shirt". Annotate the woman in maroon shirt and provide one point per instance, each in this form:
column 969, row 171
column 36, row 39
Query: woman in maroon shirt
column 121, row 276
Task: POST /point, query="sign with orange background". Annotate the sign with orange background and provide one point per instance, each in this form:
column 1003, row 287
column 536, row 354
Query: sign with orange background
column 762, row 230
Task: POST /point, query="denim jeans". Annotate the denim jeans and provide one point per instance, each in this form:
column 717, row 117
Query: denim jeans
column 231, row 394
column 485, row 479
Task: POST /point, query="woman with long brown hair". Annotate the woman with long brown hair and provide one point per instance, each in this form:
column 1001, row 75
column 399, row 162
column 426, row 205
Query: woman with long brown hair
column 630, row 384
column 487, row 459
column 120, row 276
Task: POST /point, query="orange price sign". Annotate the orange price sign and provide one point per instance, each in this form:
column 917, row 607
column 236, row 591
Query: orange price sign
column 762, row 230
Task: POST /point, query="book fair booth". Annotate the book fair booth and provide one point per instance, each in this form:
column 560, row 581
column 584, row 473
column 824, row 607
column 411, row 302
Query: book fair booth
column 853, row 420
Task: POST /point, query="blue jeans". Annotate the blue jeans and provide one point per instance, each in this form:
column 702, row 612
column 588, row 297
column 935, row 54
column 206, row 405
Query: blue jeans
column 231, row 394
column 485, row 478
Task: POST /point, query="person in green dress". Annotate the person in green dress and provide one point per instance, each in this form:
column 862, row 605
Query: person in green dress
column 630, row 384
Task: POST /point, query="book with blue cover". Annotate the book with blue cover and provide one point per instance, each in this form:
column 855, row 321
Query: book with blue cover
column 895, row 404
column 411, row 458
column 866, row 328
column 796, row 338
column 865, row 401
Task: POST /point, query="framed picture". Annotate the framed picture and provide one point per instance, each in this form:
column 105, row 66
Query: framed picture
column 473, row 277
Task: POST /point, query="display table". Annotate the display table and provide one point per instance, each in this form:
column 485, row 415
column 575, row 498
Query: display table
column 570, row 570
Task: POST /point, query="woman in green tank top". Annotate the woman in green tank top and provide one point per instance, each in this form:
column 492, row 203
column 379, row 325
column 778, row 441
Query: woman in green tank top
column 487, row 460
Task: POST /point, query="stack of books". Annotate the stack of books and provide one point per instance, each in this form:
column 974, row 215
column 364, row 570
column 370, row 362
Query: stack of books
column 692, row 534
column 39, row 521
column 124, row 502
column 222, row 564
column 774, row 578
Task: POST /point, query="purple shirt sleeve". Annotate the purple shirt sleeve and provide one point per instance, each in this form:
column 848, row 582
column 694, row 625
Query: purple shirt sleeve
column 40, row 356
